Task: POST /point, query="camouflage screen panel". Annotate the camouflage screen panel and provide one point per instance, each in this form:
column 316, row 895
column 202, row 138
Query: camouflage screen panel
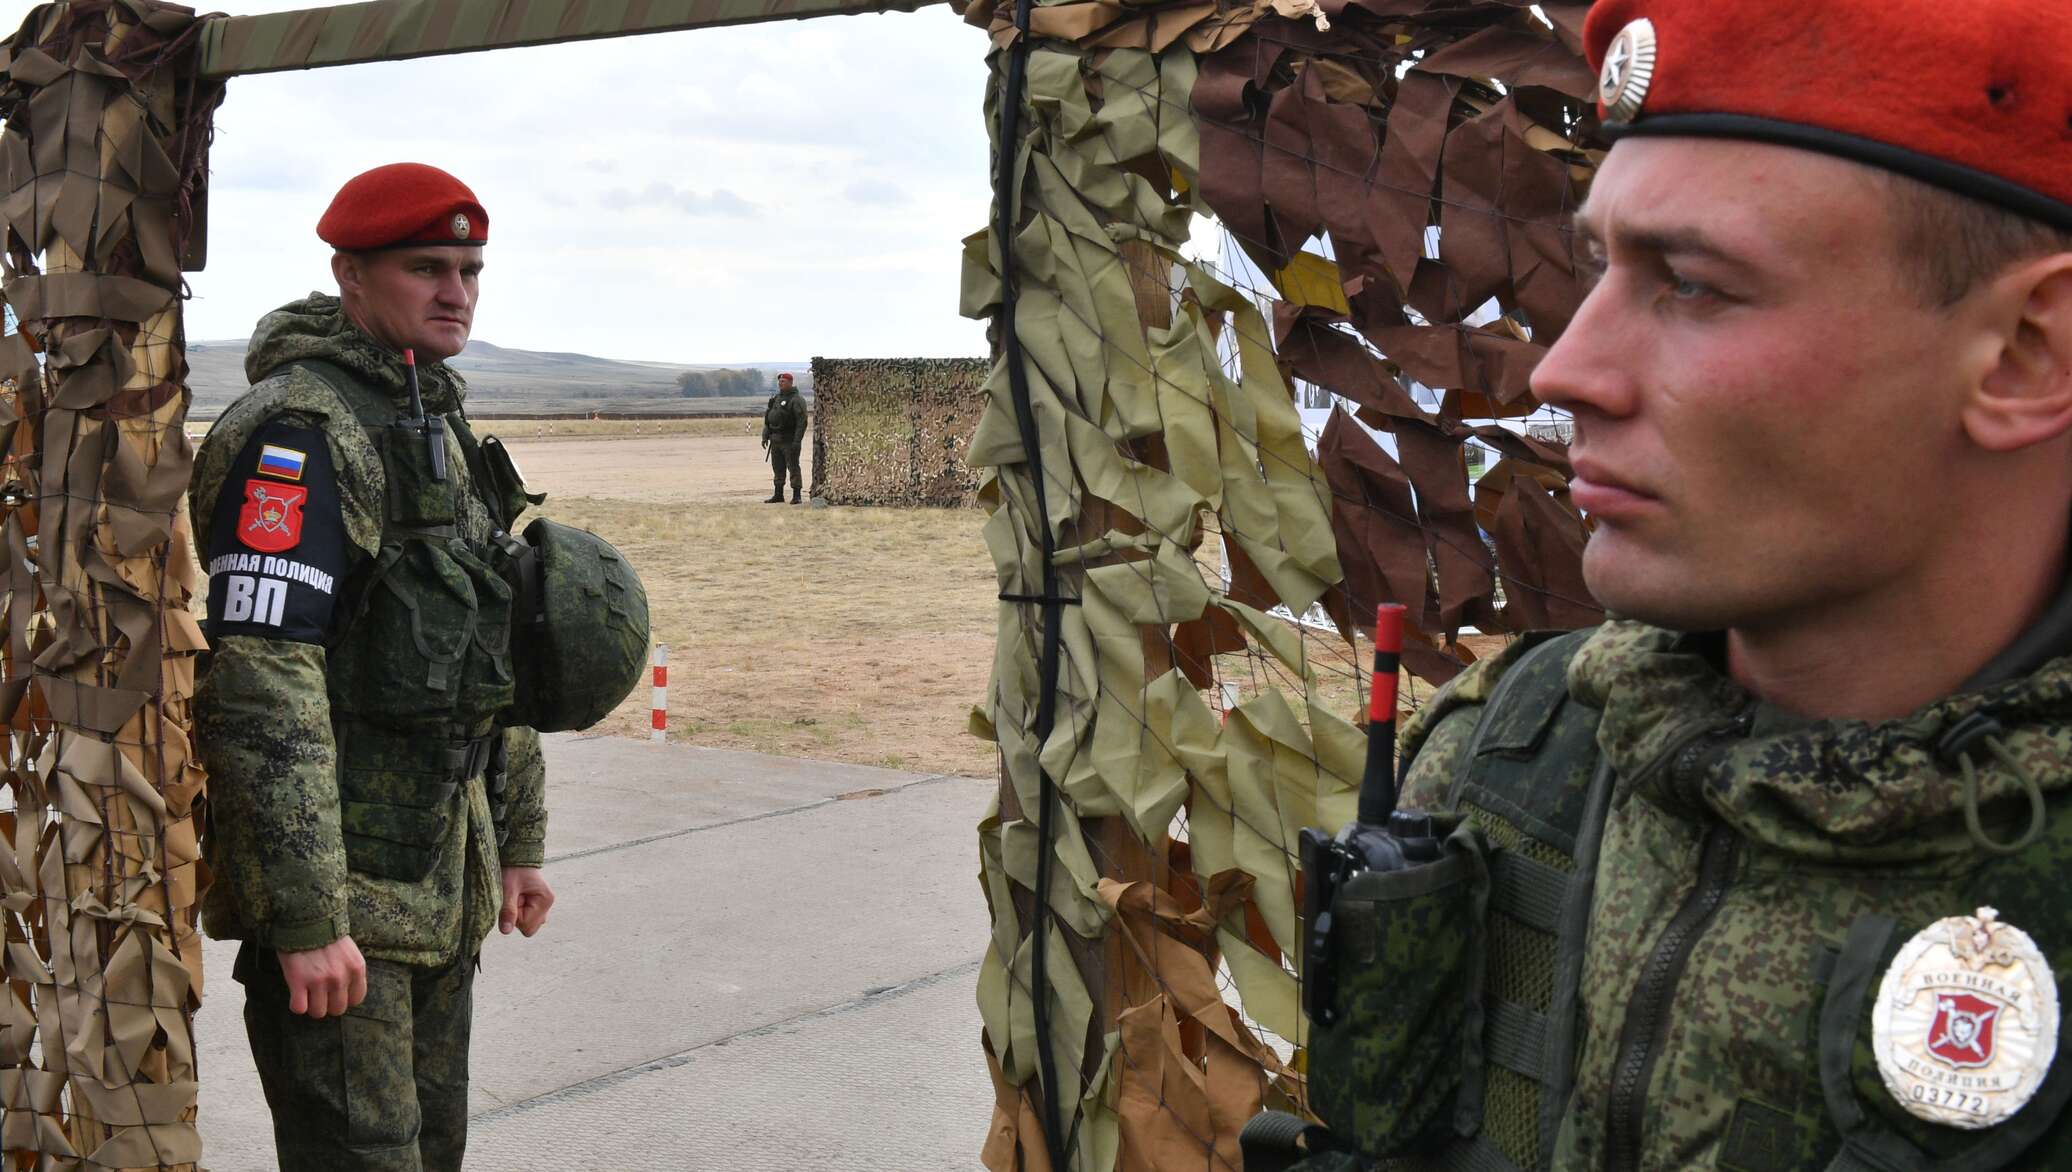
column 1278, row 272
column 104, row 158
column 895, row 431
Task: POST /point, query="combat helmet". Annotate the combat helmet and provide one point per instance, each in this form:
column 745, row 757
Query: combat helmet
column 579, row 637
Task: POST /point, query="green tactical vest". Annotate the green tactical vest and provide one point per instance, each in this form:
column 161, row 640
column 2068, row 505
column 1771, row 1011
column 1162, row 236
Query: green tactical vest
column 1457, row 1031
column 420, row 662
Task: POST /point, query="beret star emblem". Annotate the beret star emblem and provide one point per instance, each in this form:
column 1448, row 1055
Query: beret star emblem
column 1629, row 67
column 461, row 227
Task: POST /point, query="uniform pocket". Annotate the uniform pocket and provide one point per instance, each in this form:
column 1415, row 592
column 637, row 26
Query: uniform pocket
column 379, row 1092
column 1406, row 952
column 395, row 820
column 419, row 495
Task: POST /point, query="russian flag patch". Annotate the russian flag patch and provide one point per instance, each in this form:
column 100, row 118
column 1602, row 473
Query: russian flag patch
column 283, row 463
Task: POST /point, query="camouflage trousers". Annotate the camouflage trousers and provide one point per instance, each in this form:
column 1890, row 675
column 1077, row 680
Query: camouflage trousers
column 383, row 1088
column 783, row 456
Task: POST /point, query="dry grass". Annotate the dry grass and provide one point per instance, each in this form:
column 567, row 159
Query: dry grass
column 860, row 635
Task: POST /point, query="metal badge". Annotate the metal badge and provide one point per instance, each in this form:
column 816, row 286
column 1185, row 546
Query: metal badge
column 1628, row 68
column 461, row 227
column 1966, row 1021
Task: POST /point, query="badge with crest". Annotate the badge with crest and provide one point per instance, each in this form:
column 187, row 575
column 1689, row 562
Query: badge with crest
column 1966, row 1021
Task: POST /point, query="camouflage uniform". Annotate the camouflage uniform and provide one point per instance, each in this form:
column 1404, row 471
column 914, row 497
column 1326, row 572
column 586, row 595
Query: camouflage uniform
column 784, row 429
column 1755, row 875
column 298, row 861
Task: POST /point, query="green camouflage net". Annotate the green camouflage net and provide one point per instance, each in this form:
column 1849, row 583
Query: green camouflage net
column 1283, row 269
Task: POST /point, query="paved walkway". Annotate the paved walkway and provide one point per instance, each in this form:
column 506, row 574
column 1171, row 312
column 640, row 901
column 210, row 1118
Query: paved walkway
column 752, row 963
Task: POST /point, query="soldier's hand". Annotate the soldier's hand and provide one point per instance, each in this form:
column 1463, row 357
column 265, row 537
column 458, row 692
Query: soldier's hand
column 526, row 900
column 327, row 981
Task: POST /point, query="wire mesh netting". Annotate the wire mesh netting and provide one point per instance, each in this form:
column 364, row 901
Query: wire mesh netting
column 1270, row 281
column 893, row 431
column 103, row 149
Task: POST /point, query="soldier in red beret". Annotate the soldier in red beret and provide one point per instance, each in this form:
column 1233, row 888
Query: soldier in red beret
column 371, row 817
column 1768, row 872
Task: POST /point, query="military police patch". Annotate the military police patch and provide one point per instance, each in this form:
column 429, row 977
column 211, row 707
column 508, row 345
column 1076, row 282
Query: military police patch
column 271, row 519
column 1966, row 1021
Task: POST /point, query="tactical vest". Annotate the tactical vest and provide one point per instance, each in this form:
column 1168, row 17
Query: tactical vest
column 784, row 419
column 419, row 664
column 1456, row 1033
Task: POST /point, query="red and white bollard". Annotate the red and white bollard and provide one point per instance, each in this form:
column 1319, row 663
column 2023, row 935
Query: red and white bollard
column 661, row 708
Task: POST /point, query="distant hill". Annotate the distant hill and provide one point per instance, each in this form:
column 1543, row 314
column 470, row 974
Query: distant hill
column 502, row 379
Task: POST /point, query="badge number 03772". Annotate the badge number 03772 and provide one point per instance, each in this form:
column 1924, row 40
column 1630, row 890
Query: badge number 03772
column 1966, row 1021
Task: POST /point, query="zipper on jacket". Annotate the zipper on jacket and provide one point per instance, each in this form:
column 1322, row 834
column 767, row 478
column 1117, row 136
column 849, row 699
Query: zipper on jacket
column 1640, row 1040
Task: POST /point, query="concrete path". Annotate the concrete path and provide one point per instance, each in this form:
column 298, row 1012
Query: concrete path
column 752, row 963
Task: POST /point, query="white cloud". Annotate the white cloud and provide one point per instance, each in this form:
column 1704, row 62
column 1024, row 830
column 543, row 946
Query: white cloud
column 753, row 193
column 663, row 195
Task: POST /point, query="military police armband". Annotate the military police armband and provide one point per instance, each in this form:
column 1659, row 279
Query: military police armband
column 277, row 548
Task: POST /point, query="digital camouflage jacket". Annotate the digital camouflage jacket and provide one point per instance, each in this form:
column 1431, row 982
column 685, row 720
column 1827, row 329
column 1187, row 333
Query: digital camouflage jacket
column 784, row 419
column 1755, row 877
column 263, row 711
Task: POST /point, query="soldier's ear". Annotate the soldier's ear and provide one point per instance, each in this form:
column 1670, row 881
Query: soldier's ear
column 2025, row 396
column 345, row 268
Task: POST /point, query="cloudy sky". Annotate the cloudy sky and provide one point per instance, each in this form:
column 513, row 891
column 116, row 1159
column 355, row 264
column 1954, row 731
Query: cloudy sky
column 759, row 193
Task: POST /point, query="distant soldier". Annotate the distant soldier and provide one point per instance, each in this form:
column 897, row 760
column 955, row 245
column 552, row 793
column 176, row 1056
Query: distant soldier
column 784, row 432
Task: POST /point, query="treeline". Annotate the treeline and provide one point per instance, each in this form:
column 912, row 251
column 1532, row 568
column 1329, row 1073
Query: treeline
column 698, row 384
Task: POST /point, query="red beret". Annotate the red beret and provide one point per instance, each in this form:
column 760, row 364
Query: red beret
column 1974, row 97
column 403, row 204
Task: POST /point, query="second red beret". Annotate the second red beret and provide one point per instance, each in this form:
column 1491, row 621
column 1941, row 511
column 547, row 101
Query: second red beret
column 1973, row 97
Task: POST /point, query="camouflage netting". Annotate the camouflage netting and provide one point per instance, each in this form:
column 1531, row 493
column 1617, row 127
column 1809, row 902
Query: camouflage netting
column 103, row 152
column 1218, row 208
column 1384, row 188
column 894, row 431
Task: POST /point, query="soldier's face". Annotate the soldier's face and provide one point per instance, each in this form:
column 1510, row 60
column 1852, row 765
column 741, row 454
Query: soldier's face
column 413, row 298
column 1763, row 404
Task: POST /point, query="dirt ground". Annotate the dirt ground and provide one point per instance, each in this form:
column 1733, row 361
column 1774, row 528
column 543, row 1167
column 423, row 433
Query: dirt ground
column 848, row 634
column 860, row 635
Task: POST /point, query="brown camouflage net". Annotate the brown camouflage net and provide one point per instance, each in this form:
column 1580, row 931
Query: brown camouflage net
column 1484, row 143
column 1392, row 182
column 894, row 431
column 103, row 150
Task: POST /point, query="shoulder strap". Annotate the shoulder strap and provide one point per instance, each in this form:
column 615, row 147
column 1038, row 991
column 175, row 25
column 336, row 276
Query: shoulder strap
column 1529, row 777
column 372, row 410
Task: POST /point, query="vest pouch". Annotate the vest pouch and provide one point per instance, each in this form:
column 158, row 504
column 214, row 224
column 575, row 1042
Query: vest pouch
column 395, row 819
column 1406, row 954
column 416, row 498
column 503, row 486
column 432, row 643
column 487, row 684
